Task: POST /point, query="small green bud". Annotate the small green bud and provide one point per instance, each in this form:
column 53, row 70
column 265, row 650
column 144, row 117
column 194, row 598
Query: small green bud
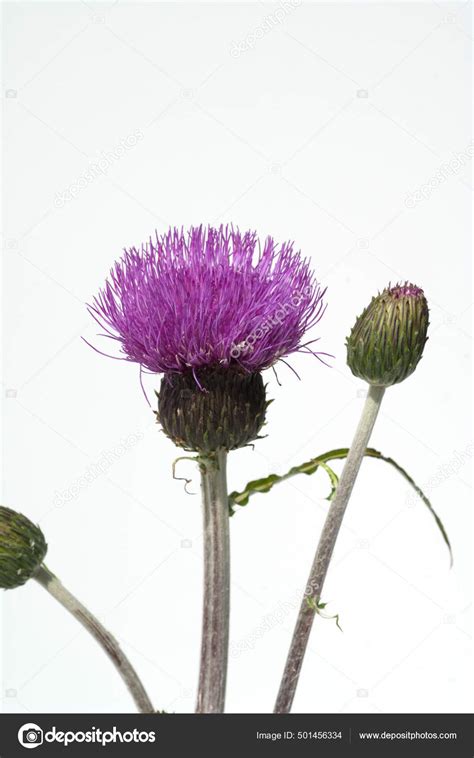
column 388, row 338
column 22, row 548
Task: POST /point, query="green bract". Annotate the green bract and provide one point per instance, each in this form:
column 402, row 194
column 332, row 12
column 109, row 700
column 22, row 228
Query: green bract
column 388, row 338
column 226, row 413
column 22, row 548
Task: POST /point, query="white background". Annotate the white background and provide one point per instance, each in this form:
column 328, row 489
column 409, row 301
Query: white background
column 318, row 129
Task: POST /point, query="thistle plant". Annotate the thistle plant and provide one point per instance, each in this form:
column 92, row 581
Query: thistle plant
column 210, row 309
column 22, row 550
column 384, row 348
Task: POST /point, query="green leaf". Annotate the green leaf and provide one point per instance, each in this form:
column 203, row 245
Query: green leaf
column 318, row 607
column 266, row 484
column 333, row 478
column 321, row 461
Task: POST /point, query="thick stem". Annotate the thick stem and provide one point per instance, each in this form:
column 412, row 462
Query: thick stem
column 109, row 644
column 215, row 619
column 325, row 549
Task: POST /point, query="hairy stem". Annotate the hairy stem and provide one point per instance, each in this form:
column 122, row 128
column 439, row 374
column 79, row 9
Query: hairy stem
column 215, row 619
column 325, row 549
column 109, row 644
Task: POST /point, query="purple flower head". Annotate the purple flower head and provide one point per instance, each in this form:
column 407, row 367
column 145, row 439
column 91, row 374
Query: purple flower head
column 209, row 297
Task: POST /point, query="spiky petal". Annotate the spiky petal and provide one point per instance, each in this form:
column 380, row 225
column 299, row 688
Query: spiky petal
column 209, row 297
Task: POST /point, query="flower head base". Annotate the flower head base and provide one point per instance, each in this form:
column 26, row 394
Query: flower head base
column 22, row 548
column 388, row 338
column 209, row 297
column 227, row 415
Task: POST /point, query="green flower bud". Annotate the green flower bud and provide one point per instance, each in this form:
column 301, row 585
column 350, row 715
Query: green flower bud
column 22, row 548
column 388, row 338
column 226, row 412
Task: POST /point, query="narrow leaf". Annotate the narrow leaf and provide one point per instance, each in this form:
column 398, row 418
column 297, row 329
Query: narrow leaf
column 333, row 478
column 420, row 494
column 321, row 461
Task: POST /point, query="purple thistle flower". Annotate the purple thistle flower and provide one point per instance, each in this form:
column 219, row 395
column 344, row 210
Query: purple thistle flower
column 209, row 298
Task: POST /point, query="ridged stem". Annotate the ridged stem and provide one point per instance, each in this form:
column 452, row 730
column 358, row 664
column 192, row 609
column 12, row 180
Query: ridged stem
column 325, row 549
column 215, row 618
column 108, row 643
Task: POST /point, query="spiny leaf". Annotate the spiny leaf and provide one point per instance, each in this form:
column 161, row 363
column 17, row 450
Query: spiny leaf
column 266, row 484
column 321, row 461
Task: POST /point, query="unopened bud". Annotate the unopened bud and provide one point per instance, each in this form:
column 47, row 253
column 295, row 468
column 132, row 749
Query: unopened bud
column 22, row 548
column 388, row 338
